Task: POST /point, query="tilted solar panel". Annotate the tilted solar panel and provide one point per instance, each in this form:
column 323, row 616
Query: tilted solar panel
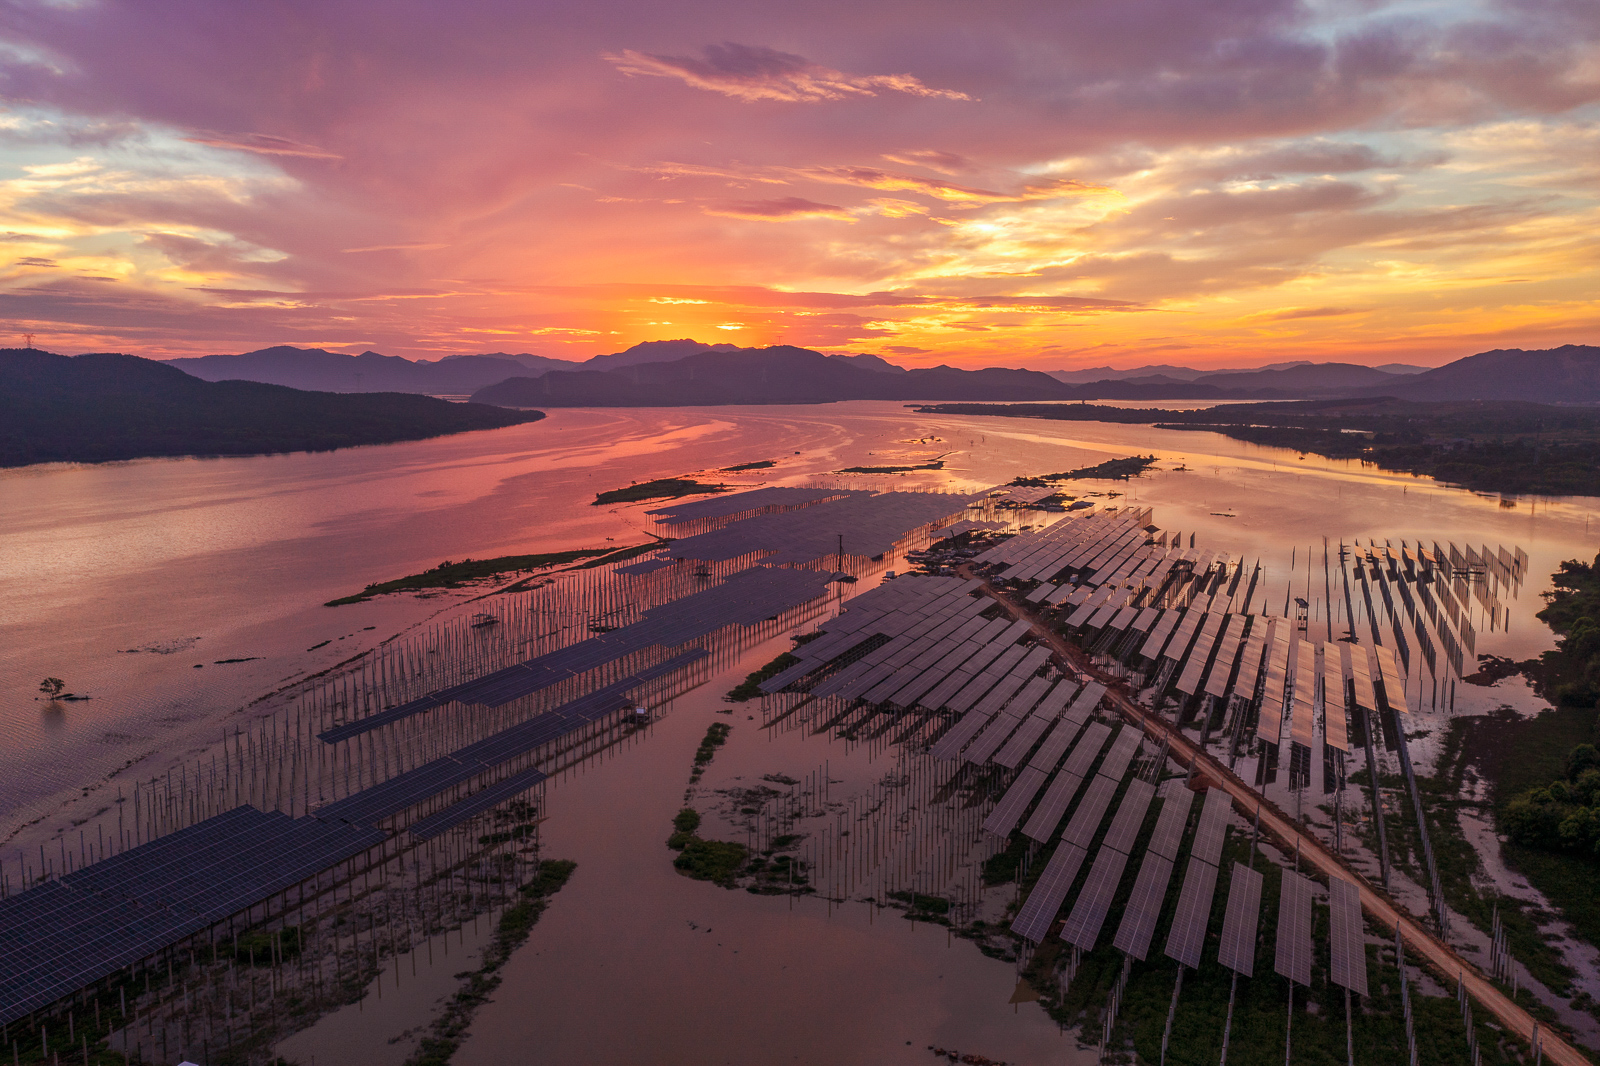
column 1238, row 948
column 1347, row 936
column 1292, row 958
column 1188, row 933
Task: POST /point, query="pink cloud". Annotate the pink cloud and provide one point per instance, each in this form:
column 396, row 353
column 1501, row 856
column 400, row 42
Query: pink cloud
column 755, row 72
column 786, row 209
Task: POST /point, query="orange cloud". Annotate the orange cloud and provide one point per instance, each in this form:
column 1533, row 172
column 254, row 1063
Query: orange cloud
column 784, row 210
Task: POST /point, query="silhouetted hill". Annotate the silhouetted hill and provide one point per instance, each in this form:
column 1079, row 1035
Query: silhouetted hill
column 94, row 408
column 325, row 371
column 780, row 374
column 1303, row 379
column 1568, row 374
column 647, row 352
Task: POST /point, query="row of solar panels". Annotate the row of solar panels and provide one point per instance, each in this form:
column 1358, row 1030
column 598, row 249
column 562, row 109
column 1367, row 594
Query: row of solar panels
column 407, row 789
column 870, row 526
column 85, row 926
column 746, row 598
column 71, row 932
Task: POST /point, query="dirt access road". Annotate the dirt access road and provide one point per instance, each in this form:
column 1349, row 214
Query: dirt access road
column 1247, row 801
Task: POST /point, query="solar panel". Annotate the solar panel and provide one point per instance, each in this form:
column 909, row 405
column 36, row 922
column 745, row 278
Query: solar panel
column 1039, row 910
column 1138, row 923
column 480, row 801
column 1090, row 812
column 1347, row 937
column 1293, row 956
column 1055, row 745
column 1003, row 819
column 1238, row 948
column 1188, row 933
column 1172, row 821
column 1122, row 752
column 1022, row 741
column 1208, row 837
column 1125, row 825
column 1094, row 901
column 1334, row 723
column 1047, row 815
column 81, row 928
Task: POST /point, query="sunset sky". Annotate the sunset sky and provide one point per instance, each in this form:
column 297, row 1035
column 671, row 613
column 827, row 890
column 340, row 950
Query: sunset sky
column 1055, row 184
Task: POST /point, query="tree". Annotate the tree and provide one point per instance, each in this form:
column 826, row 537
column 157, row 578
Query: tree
column 52, row 686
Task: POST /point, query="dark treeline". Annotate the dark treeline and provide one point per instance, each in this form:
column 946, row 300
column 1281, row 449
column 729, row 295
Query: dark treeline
column 96, row 408
column 1508, row 447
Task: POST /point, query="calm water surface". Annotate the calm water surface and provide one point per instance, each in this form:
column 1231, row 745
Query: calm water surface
column 124, row 578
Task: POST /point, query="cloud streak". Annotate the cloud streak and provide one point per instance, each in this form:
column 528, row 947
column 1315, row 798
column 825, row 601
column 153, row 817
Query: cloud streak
column 754, row 73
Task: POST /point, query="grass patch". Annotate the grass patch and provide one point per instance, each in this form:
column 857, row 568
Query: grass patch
column 1110, row 470
column 718, row 861
column 750, row 687
column 450, row 1028
column 937, row 464
column 716, row 736
column 452, row 575
column 667, row 488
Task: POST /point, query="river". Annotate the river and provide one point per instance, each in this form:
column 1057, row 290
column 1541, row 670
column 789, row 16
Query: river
column 135, row 581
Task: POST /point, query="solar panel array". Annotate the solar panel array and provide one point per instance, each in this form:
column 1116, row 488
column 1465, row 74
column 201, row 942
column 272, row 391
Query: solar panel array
column 406, row 790
column 872, row 525
column 480, row 801
column 1094, row 902
column 1188, row 932
column 1039, row 910
column 1347, row 936
column 737, row 503
column 1238, row 948
column 1138, row 924
column 746, row 598
column 1293, row 956
column 71, row 932
column 1041, row 825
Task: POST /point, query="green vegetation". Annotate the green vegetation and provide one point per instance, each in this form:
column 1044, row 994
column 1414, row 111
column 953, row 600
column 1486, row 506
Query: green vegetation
column 1110, row 470
column 518, row 920
column 937, row 464
column 1570, row 672
column 759, row 465
column 667, row 488
column 1509, row 447
column 715, row 737
column 452, row 575
column 750, row 687
column 1563, row 815
column 1445, row 798
column 260, row 947
column 718, row 861
column 104, row 407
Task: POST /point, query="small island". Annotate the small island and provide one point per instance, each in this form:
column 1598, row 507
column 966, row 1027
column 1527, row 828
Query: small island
column 454, row 575
column 666, row 488
column 1110, row 470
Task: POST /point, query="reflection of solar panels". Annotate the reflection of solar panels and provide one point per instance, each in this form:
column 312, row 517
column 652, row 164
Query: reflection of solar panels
column 747, row 598
column 1346, row 936
column 77, row 930
column 1238, row 948
column 480, row 801
column 1293, row 956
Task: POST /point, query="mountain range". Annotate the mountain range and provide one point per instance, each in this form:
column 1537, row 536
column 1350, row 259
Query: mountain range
column 689, row 372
